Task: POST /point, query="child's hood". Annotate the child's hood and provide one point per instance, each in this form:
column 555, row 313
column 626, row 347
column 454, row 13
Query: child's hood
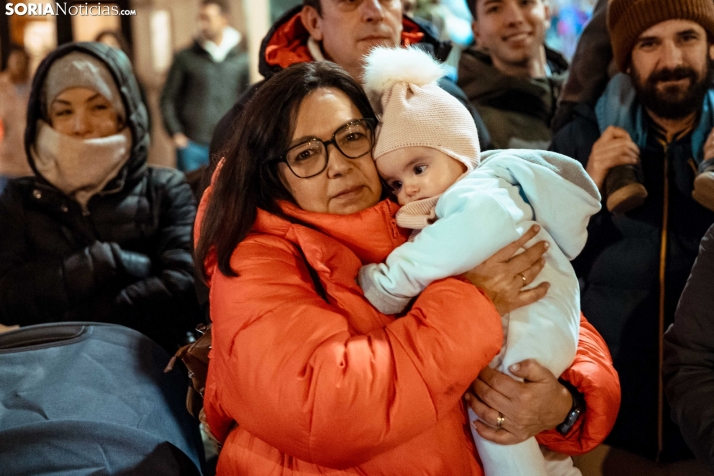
column 561, row 193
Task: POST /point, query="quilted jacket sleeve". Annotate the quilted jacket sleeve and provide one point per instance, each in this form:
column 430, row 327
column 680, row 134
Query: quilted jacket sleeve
column 35, row 290
column 296, row 374
column 689, row 357
column 594, row 376
column 169, row 291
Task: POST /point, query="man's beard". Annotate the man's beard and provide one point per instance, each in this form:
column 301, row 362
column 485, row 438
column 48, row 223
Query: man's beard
column 673, row 102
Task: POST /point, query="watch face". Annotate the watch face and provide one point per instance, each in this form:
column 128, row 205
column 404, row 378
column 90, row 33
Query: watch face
column 565, row 427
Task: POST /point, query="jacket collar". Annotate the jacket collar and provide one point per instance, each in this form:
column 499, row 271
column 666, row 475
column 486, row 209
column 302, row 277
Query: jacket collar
column 228, row 47
column 286, row 42
column 377, row 233
column 556, row 61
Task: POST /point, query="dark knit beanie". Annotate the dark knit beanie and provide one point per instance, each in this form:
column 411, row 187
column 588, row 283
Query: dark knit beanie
column 627, row 19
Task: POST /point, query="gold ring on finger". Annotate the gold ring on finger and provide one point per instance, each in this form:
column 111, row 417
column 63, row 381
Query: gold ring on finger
column 523, row 277
column 500, row 420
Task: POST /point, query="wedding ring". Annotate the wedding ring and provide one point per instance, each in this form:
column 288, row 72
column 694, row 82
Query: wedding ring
column 523, row 277
column 499, row 420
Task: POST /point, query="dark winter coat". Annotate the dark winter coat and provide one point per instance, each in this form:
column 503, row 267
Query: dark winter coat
column 125, row 261
column 198, row 91
column 517, row 111
column 286, row 44
column 689, row 357
column 627, row 261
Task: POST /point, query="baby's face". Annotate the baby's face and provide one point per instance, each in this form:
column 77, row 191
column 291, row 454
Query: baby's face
column 413, row 173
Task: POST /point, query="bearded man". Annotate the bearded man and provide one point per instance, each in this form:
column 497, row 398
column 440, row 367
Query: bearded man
column 648, row 145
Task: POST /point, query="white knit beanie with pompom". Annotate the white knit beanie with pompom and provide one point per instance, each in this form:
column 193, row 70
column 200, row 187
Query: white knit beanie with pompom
column 413, row 110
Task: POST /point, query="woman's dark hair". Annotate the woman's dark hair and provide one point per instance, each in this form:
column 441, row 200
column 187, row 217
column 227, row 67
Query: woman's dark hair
column 248, row 178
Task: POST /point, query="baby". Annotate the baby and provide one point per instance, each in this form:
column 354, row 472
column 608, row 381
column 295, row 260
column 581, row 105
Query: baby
column 465, row 206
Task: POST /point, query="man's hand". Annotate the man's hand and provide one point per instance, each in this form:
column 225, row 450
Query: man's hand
column 502, row 276
column 180, row 140
column 615, row 147
column 537, row 404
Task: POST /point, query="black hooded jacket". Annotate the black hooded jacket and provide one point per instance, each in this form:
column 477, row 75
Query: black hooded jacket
column 439, row 49
column 126, row 260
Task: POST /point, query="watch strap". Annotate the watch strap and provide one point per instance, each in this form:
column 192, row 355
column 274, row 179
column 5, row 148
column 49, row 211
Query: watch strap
column 576, row 410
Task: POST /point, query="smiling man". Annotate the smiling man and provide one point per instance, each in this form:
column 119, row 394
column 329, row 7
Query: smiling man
column 511, row 77
column 656, row 118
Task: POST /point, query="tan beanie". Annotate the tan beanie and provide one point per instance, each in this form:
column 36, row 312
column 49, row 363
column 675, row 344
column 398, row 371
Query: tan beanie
column 82, row 70
column 627, row 19
column 413, row 110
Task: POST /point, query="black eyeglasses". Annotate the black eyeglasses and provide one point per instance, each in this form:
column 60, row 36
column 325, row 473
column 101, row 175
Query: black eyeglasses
column 310, row 158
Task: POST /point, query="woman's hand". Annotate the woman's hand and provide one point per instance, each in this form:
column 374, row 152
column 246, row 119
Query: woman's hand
column 502, row 276
column 539, row 403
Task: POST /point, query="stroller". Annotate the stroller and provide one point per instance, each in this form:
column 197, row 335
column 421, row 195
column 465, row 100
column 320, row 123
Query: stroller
column 92, row 399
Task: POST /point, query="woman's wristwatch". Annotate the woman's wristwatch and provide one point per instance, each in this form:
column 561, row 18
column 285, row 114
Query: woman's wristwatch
column 576, row 410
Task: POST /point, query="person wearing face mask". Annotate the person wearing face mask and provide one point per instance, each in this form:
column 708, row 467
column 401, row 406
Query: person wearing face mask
column 95, row 234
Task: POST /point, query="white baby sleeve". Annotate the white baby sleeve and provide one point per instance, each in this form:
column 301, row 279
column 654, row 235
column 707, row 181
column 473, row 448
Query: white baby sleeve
column 473, row 223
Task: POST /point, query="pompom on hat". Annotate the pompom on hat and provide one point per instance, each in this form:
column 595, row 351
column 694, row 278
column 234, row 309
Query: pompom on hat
column 627, row 19
column 401, row 84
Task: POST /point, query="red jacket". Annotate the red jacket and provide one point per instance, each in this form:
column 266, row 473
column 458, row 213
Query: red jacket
column 319, row 384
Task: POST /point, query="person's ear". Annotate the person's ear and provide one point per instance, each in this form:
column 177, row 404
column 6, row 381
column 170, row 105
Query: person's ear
column 475, row 30
column 312, row 21
column 548, row 14
column 711, row 51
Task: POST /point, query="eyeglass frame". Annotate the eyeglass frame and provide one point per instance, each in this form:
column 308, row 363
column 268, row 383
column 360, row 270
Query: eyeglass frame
column 371, row 123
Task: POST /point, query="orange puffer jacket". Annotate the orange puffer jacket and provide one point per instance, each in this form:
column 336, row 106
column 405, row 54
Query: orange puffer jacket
column 319, row 383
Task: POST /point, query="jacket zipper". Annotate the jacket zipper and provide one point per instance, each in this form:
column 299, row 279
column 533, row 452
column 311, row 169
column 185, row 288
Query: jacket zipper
column 660, row 335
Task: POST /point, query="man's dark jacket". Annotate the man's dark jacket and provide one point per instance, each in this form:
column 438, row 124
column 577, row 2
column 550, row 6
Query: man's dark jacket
column 620, row 277
column 689, row 357
column 198, row 91
column 516, row 110
column 286, row 42
column 127, row 260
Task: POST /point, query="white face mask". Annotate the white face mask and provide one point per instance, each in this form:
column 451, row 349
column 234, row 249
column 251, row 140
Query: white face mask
column 79, row 168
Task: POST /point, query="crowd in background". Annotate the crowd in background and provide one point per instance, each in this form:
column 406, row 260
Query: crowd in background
column 90, row 232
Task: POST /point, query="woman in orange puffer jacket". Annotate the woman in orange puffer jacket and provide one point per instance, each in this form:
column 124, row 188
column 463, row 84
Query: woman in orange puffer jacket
column 306, row 377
